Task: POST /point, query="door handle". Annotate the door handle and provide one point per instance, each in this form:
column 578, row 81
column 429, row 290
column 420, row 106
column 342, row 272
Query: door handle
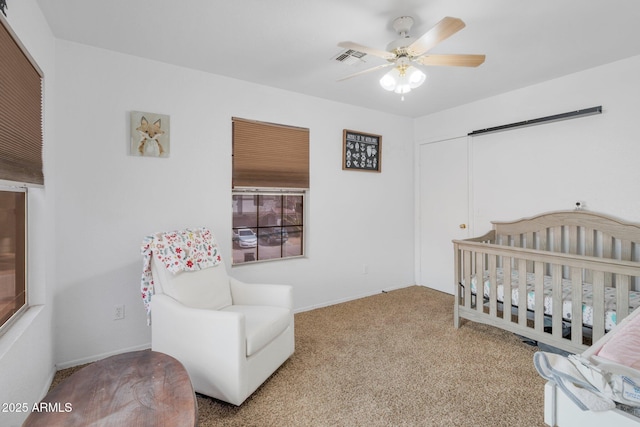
column 463, row 226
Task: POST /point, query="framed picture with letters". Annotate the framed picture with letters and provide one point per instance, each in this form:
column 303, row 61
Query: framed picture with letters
column 361, row 151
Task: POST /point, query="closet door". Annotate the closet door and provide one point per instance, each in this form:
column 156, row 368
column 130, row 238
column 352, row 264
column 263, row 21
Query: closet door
column 443, row 210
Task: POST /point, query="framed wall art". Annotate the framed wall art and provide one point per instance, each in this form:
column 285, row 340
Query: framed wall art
column 149, row 134
column 361, row 151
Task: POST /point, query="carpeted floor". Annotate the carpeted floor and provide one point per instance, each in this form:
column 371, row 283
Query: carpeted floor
column 393, row 359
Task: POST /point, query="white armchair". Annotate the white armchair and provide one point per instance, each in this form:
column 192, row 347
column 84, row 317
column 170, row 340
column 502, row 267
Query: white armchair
column 230, row 336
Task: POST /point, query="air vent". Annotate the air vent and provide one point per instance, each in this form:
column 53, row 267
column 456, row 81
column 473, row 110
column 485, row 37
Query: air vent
column 351, row 57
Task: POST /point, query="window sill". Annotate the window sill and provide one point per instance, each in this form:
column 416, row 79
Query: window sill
column 17, row 328
column 262, row 261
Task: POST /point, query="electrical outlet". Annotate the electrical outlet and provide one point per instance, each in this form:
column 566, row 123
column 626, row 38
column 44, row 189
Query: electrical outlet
column 365, row 268
column 118, row 312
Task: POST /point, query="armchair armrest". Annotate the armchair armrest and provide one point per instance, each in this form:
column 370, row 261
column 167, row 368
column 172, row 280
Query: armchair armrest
column 261, row 294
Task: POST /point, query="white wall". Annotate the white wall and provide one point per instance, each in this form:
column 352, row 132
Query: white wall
column 107, row 201
column 547, row 167
column 26, row 349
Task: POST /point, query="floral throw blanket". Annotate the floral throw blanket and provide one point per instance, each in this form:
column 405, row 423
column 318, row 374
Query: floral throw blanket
column 190, row 249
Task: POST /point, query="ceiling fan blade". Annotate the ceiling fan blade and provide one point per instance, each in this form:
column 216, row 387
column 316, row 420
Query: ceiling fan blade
column 368, row 70
column 368, row 50
column 444, row 29
column 452, row 60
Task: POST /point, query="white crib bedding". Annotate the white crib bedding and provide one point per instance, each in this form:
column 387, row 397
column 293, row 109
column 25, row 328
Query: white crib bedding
column 587, row 297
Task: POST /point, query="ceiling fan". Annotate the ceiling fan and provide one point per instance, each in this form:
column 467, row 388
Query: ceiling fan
column 403, row 53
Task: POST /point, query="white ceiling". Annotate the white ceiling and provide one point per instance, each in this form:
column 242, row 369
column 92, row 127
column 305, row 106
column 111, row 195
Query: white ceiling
column 292, row 44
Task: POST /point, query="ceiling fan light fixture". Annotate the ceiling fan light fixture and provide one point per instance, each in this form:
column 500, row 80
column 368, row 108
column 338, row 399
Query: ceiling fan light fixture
column 390, row 80
column 416, row 77
column 402, row 79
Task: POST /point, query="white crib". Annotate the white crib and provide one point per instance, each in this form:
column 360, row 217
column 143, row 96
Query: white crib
column 560, row 278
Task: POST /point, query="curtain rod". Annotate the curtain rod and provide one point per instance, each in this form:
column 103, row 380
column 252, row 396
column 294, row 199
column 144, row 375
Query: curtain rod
column 541, row 120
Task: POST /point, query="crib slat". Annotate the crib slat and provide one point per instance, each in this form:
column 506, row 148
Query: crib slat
column 515, row 241
column 598, row 305
column 480, row 282
column 506, row 289
column 529, row 244
column 557, row 238
column 542, row 245
column 625, row 250
column 542, row 240
column 576, row 306
column 573, row 239
column 556, row 283
column 467, row 279
column 589, row 251
column 607, row 252
column 622, row 297
column 589, row 242
column 493, row 289
column 522, row 292
column 539, row 296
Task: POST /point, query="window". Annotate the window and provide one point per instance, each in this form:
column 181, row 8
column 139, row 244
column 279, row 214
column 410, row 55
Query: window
column 270, row 174
column 12, row 253
column 20, row 165
column 267, row 226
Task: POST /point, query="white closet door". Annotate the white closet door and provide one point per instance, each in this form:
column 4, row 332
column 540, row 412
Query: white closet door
column 443, row 210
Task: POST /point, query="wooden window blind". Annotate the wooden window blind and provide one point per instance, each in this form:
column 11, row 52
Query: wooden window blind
column 267, row 155
column 20, row 112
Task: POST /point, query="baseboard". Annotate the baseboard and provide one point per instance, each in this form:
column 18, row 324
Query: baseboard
column 89, row 359
column 351, row 298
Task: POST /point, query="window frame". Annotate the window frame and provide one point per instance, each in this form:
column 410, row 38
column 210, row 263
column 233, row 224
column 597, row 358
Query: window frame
column 6, row 187
column 269, row 192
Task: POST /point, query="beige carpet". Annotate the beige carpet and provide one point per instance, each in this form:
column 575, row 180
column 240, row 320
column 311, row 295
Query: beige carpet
column 393, row 359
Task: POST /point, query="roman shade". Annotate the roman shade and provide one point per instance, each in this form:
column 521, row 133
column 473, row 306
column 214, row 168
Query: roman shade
column 20, row 112
column 268, row 155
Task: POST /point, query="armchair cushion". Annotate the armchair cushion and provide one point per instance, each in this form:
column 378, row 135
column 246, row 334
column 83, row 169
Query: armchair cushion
column 262, row 324
column 208, row 288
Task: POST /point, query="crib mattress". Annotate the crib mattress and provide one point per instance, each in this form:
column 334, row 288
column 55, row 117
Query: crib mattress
column 587, row 297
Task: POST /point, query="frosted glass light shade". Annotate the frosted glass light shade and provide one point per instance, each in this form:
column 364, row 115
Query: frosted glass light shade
column 416, row 77
column 402, row 81
column 389, row 80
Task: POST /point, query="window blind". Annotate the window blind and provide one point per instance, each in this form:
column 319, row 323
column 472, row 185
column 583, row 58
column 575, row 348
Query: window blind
column 20, row 112
column 267, row 155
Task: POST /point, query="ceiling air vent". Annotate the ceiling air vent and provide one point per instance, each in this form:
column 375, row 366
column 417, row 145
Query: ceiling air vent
column 350, row 57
